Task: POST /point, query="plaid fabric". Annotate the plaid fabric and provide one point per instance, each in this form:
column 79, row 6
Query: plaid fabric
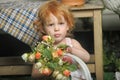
column 18, row 23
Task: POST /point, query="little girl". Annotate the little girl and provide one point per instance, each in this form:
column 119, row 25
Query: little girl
column 55, row 19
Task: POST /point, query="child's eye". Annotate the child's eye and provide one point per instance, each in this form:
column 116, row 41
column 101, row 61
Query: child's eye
column 50, row 24
column 61, row 23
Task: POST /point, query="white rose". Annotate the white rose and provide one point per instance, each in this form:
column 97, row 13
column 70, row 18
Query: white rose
column 38, row 65
column 59, row 77
column 40, row 70
column 32, row 58
column 64, row 78
column 55, row 73
column 24, row 57
column 60, row 62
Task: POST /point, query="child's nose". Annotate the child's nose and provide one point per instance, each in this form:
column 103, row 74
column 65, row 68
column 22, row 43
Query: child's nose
column 56, row 28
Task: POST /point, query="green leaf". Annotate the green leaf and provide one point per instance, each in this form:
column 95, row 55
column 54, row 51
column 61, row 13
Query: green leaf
column 72, row 67
column 53, row 65
column 47, row 54
column 40, row 47
column 62, row 46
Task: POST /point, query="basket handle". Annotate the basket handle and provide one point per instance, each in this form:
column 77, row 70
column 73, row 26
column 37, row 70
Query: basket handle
column 84, row 67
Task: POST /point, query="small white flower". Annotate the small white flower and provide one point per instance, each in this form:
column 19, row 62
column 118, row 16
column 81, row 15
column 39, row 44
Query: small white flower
column 60, row 62
column 32, row 58
column 40, row 70
column 24, row 57
column 59, row 77
column 64, row 78
column 38, row 65
column 55, row 73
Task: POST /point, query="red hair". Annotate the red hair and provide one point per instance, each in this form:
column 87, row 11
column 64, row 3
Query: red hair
column 57, row 9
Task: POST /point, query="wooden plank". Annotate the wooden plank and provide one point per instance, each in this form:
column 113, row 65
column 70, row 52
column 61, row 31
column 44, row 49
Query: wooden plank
column 92, row 59
column 91, row 67
column 26, row 70
column 82, row 14
column 98, row 44
column 15, row 70
column 17, row 60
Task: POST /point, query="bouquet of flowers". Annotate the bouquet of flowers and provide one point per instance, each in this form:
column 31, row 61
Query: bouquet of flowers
column 49, row 60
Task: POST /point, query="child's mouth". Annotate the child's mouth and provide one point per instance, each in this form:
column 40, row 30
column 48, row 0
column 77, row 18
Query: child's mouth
column 57, row 35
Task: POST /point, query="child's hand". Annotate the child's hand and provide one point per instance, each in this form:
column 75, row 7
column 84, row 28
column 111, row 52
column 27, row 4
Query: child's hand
column 67, row 59
column 69, row 49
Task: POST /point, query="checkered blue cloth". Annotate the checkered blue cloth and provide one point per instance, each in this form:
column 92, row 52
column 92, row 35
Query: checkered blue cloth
column 19, row 23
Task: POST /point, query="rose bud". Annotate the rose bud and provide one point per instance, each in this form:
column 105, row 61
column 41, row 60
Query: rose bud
column 38, row 65
column 59, row 52
column 37, row 55
column 66, row 73
column 55, row 73
column 54, row 54
column 67, row 59
column 46, row 71
column 24, row 57
column 31, row 58
column 40, row 70
column 46, row 38
column 59, row 77
column 64, row 78
column 60, row 62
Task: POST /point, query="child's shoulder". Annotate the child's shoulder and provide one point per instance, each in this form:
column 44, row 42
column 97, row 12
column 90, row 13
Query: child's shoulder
column 71, row 41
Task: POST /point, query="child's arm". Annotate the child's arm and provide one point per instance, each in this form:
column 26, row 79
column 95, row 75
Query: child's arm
column 78, row 50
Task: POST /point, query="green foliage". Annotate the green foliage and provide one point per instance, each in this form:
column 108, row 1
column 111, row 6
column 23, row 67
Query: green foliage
column 109, row 76
column 111, row 53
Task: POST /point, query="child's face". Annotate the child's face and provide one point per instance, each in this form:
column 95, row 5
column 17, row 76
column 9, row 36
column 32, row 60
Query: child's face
column 57, row 28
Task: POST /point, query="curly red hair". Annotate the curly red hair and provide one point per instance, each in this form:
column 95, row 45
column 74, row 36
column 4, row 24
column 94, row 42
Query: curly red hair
column 57, row 9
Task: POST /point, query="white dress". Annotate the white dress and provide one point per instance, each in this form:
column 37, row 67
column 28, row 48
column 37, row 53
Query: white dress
column 76, row 75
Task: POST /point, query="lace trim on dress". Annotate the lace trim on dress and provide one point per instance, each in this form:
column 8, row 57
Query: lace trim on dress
column 69, row 42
